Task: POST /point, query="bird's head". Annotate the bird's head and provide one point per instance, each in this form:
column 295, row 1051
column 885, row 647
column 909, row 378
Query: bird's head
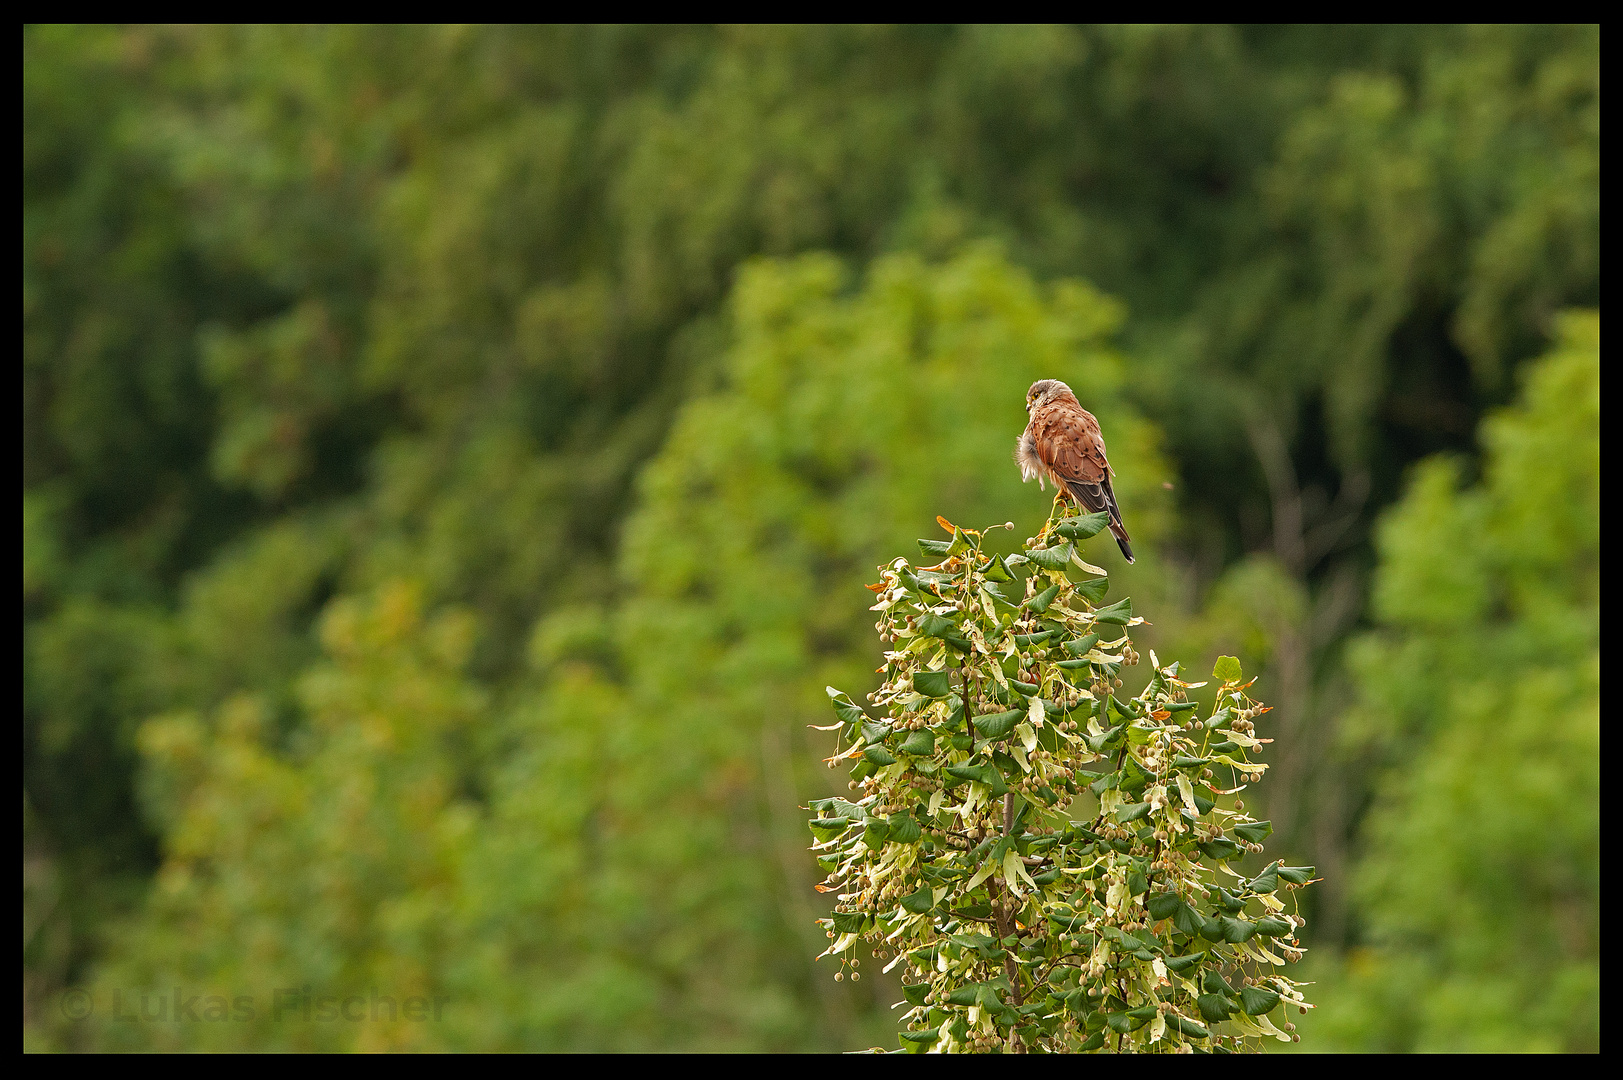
column 1045, row 390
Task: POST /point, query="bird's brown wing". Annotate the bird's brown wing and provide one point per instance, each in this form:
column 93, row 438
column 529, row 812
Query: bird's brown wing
column 1069, row 443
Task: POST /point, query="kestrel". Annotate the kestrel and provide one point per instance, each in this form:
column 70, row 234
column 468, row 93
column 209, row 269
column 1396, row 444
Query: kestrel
column 1063, row 444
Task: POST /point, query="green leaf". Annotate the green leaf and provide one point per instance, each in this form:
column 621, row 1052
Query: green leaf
column 1187, row 1027
column 933, row 683
column 879, row 756
column 998, row 725
column 1040, row 602
column 1104, row 738
column 983, row 994
column 915, row 993
column 850, row 922
column 1214, row 1007
column 1273, row 927
column 1025, row 689
column 1137, row 883
column 844, row 707
column 1093, row 590
column 1296, row 875
column 1132, row 812
column 1227, row 670
column 1075, row 665
column 1184, row 963
column 1082, row 645
column 935, row 547
column 996, row 594
column 935, row 626
column 1121, row 937
column 1051, row 558
column 876, row 833
column 1256, row 1001
column 1081, row 528
column 1025, row 640
column 1118, row 613
column 874, row 732
column 904, row 829
column 1254, row 832
column 826, row 829
column 998, row 570
column 1236, row 931
column 925, row 1037
column 1188, row 920
column 838, row 807
column 920, row 743
column 1265, row 882
column 1212, row 982
column 919, row 902
column 1163, row 905
column 983, row 774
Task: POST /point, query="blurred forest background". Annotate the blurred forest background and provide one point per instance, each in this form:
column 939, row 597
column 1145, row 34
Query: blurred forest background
column 452, row 457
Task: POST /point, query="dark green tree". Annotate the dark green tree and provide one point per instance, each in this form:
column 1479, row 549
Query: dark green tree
column 1036, row 903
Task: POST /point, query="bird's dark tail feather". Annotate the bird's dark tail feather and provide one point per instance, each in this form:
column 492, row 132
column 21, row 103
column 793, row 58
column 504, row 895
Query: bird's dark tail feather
column 1121, row 540
column 1092, row 500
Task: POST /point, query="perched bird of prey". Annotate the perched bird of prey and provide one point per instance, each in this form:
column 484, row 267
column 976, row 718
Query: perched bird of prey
column 1063, row 444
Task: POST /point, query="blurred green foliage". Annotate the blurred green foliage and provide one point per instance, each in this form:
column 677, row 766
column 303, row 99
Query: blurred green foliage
column 632, row 874
column 459, row 328
column 1480, row 696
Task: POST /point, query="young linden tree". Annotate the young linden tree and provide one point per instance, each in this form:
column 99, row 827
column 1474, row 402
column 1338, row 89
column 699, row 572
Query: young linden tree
column 1051, row 864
